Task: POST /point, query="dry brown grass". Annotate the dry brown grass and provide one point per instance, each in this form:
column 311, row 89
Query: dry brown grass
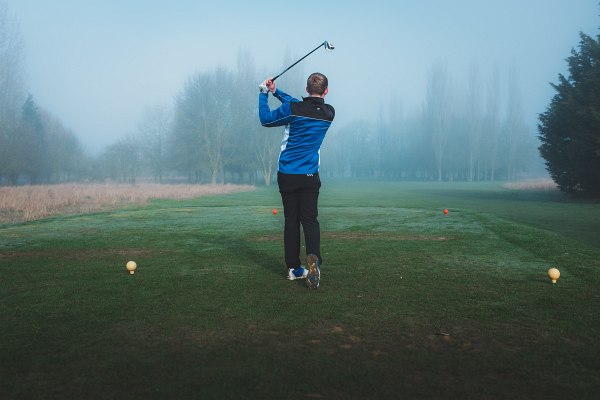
column 536, row 184
column 28, row 203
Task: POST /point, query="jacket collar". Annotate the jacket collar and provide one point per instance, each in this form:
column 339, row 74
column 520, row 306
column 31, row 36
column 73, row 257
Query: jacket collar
column 315, row 99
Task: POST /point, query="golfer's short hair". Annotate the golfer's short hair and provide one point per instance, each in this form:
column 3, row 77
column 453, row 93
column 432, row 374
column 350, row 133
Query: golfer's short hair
column 316, row 83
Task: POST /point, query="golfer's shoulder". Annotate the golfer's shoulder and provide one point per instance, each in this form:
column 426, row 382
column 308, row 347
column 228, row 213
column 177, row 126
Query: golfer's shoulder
column 312, row 110
column 331, row 109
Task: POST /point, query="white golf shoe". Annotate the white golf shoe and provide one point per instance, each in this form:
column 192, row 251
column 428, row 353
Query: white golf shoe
column 297, row 273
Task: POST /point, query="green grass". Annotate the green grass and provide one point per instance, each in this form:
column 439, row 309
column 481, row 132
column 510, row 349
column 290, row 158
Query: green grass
column 413, row 304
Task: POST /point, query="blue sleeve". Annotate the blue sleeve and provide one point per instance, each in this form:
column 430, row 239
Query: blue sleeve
column 278, row 117
column 284, row 97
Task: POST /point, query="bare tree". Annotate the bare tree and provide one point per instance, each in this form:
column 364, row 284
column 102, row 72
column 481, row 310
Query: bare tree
column 65, row 156
column 12, row 92
column 514, row 125
column 475, row 121
column 489, row 147
column 153, row 131
column 11, row 65
column 258, row 147
column 185, row 147
column 265, row 151
column 203, row 130
column 358, row 148
column 335, row 161
column 122, row 159
column 216, row 117
column 438, row 111
column 390, row 140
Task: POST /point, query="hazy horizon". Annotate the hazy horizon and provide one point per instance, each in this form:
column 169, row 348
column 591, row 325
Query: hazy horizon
column 97, row 66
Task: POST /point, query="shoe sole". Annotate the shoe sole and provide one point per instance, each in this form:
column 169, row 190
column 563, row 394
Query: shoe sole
column 314, row 273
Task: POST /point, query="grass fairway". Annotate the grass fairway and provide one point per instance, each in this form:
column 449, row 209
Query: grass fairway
column 412, row 303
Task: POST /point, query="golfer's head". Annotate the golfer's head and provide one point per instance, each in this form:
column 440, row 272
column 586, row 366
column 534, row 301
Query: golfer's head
column 316, row 85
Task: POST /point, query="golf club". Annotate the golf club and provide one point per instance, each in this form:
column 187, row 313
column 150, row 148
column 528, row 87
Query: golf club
column 325, row 44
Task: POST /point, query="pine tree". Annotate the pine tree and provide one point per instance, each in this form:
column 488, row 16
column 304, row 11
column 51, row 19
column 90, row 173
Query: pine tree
column 32, row 141
column 570, row 127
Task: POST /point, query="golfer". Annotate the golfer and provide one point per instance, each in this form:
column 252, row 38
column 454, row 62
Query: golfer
column 306, row 122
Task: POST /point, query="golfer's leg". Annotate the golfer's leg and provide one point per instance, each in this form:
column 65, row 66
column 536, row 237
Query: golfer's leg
column 309, row 212
column 291, row 230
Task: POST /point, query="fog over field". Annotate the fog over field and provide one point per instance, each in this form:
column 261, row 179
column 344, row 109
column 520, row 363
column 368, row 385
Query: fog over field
column 99, row 66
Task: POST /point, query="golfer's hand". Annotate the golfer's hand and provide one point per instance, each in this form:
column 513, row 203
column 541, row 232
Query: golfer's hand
column 267, row 86
column 263, row 87
column 270, row 84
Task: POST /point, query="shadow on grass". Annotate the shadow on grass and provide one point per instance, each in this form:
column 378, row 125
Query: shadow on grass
column 263, row 257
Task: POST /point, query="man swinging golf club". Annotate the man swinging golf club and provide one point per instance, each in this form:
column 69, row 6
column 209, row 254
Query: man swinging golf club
column 306, row 122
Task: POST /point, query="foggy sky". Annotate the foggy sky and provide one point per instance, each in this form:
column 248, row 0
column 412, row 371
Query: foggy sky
column 97, row 64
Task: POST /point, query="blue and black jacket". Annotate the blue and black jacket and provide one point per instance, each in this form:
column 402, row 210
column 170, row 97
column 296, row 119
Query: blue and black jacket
column 306, row 123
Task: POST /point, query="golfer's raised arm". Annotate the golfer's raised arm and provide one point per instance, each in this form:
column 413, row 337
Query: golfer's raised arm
column 284, row 97
column 278, row 117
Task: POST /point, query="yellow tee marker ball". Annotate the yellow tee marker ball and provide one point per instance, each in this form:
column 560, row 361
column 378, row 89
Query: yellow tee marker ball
column 131, row 266
column 553, row 274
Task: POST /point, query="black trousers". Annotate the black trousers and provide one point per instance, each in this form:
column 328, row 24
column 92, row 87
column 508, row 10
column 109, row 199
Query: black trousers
column 300, row 195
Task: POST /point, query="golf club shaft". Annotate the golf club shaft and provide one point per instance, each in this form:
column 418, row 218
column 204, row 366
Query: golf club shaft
column 315, row 49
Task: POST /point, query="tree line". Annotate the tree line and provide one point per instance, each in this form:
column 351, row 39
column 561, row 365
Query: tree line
column 457, row 135
column 35, row 146
column 211, row 133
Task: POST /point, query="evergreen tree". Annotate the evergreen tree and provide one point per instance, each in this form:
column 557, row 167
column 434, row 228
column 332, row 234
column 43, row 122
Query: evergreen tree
column 570, row 127
column 32, row 141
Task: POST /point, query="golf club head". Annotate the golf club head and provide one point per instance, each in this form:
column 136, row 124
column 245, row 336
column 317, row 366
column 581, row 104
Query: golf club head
column 328, row 46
